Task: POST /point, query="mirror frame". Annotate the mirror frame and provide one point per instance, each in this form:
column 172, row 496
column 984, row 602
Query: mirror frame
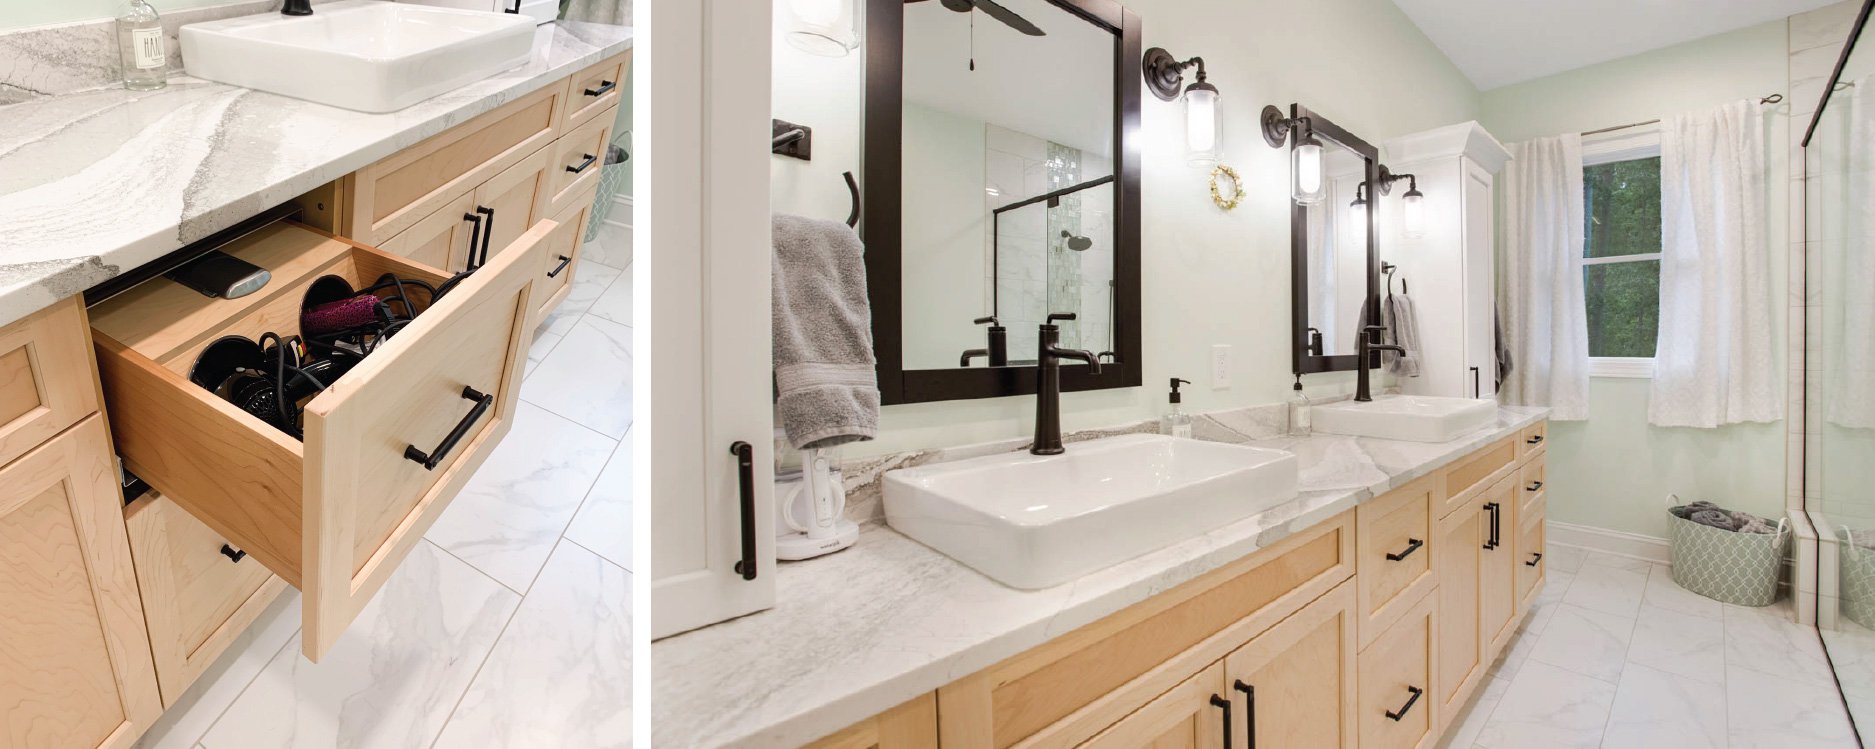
column 1305, row 362
column 881, row 226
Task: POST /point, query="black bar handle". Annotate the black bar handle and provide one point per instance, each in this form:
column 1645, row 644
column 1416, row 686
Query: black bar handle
column 475, row 237
column 1534, row 558
column 564, row 261
column 1535, row 439
column 583, row 164
column 1534, row 485
column 745, row 474
column 1476, row 390
column 1412, row 545
column 605, row 87
column 1249, row 713
column 431, row 460
column 1223, row 704
column 1395, row 716
column 1491, row 507
column 488, row 234
column 233, row 554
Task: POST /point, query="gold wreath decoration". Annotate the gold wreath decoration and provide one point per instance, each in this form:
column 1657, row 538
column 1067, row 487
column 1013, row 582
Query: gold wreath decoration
column 1236, row 185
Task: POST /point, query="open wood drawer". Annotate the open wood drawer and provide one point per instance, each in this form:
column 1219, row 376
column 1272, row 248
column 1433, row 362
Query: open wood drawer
column 335, row 514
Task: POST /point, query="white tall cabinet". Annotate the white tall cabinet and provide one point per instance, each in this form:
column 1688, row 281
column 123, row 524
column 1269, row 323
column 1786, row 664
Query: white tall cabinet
column 1450, row 270
column 702, row 92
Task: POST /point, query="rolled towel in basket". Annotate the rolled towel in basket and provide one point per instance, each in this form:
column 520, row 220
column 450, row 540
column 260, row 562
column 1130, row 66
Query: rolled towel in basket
column 1685, row 512
column 1749, row 523
column 1715, row 518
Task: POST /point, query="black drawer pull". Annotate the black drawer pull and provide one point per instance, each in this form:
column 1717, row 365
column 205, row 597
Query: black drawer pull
column 1412, row 545
column 1249, row 713
column 233, row 554
column 431, row 460
column 1535, row 557
column 1534, row 485
column 475, row 237
column 1491, row 543
column 488, row 233
column 745, row 476
column 1404, row 709
column 583, row 164
column 1535, row 439
column 1224, row 705
column 564, row 261
column 604, row 88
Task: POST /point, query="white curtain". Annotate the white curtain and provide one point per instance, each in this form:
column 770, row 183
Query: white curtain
column 1716, row 360
column 1848, row 265
column 1545, row 324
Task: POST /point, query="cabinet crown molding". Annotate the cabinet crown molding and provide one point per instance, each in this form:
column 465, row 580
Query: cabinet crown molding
column 1467, row 139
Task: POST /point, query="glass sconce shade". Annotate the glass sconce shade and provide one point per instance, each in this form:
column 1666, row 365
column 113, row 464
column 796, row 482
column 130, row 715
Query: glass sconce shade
column 829, row 28
column 1413, row 214
column 1309, row 187
column 1201, row 129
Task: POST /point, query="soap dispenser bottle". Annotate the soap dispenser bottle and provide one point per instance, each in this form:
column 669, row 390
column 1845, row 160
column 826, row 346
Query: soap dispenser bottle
column 1298, row 411
column 141, row 48
column 1175, row 422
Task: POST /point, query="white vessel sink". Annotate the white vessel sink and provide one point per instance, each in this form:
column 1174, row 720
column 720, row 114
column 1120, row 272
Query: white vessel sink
column 1414, row 418
column 1033, row 521
column 365, row 55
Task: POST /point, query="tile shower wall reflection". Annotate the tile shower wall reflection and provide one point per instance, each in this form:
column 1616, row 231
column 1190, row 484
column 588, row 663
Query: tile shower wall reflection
column 1032, row 269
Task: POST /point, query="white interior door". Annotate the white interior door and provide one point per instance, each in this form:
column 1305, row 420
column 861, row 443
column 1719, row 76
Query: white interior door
column 702, row 94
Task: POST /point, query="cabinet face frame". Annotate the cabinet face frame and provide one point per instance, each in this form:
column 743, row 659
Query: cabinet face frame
column 1334, row 609
column 42, row 391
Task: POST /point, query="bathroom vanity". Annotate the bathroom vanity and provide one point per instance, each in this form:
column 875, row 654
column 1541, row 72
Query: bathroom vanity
column 114, row 609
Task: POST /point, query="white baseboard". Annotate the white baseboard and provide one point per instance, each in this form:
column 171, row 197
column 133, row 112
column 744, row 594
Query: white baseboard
column 1618, row 543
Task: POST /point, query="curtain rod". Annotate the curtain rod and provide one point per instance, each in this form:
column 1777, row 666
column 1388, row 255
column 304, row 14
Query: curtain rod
column 1772, row 99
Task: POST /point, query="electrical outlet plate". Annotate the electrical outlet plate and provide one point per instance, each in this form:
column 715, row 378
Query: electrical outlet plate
column 1220, row 367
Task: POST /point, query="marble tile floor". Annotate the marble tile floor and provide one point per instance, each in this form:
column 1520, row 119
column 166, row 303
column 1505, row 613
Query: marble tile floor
column 1615, row 655
column 509, row 625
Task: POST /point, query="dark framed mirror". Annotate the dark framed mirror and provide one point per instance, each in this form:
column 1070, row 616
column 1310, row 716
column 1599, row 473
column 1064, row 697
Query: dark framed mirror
column 1334, row 249
column 1001, row 186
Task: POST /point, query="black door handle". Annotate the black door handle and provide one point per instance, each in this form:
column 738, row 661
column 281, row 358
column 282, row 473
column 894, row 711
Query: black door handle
column 1412, row 545
column 1534, row 558
column 745, row 475
column 1491, row 544
column 233, row 554
column 475, row 237
column 1534, row 485
column 1395, row 716
column 605, row 86
column 516, row 9
column 1249, row 713
column 564, row 261
column 1223, row 704
column 1476, row 391
column 583, row 164
column 488, row 233
column 432, row 459
column 1535, row 439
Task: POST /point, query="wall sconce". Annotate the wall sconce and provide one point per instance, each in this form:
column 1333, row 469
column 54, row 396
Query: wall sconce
column 1164, row 73
column 1306, row 184
column 829, row 28
column 1412, row 205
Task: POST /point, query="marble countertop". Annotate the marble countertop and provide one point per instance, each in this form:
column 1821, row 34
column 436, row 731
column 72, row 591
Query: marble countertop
column 861, row 631
column 97, row 183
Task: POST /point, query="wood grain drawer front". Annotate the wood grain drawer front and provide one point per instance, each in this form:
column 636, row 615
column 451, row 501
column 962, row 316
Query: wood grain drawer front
column 912, row 725
column 1462, row 660
column 389, row 196
column 332, row 515
column 1530, row 483
column 562, row 254
column 1396, row 709
column 199, row 591
column 74, row 665
column 1497, row 595
column 596, row 89
column 1294, row 686
column 46, row 383
column 514, row 201
column 1531, row 567
column 578, row 158
column 1474, row 473
column 1064, row 692
column 1532, row 439
column 1189, row 716
column 441, row 240
column 1394, row 533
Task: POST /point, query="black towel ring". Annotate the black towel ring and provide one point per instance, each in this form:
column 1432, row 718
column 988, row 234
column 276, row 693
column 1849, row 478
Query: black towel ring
column 852, row 187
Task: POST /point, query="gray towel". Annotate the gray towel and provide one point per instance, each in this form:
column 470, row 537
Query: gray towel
column 1403, row 331
column 1714, row 518
column 1504, row 363
column 827, row 392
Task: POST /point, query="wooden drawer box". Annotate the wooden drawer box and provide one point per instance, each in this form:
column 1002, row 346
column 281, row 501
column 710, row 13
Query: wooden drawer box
column 1473, row 473
column 389, row 196
column 563, row 252
column 1395, row 567
column 199, row 592
column 1532, row 439
column 595, row 89
column 1530, row 484
column 1065, row 692
column 579, row 157
column 1530, row 564
column 1396, row 707
column 42, row 390
column 332, row 515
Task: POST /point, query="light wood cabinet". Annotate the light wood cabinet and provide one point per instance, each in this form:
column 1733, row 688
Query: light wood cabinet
column 1396, row 567
column 512, row 201
column 1294, row 686
column 596, row 89
column 44, row 377
column 1531, row 570
column 1194, row 714
column 578, row 159
column 912, row 725
column 1497, row 581
column 1396, row 711
column 563, row 252
column 75, row 667
column 444, row 239
column 1462, row 663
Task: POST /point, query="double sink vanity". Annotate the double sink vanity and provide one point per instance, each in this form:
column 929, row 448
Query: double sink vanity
column 119, row 597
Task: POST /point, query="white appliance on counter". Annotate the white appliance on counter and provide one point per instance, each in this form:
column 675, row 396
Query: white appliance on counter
column 810, row 508
column 1449, row 271
column 542, row 11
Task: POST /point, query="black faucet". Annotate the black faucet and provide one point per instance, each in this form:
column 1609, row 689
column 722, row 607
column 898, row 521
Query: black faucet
column 296, row 8
column 1362, row 385
column 998, row 351
column 1048, row 385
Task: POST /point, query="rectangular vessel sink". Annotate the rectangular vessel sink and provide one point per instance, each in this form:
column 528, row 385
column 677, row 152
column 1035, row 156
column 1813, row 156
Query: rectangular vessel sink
column 1032, row 521
column 1413, row 418
column 364, row 55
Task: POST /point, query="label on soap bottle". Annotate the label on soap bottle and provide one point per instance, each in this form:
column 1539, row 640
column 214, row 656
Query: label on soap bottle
column 147, row 48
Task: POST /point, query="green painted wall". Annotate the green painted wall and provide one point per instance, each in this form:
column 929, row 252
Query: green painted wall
column 16, row 14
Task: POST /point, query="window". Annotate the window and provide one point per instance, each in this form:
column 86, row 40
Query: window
column 1621, row 253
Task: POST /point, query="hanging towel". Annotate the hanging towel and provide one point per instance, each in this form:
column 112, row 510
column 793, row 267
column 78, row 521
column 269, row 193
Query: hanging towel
column 1403, row 331
column 827, row 392
column 1504, row 363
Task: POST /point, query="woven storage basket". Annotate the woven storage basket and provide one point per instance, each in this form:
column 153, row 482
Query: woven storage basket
column 1858, row 582
column 1724, row 565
